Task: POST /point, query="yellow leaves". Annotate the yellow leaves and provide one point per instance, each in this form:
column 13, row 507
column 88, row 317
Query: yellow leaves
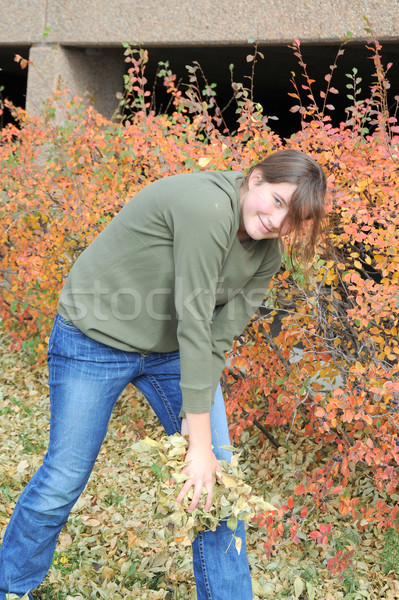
column 233, row 498
column 228, row 480
column 131, row 538
column 204, row 162
column 147, row 441
column 330, row 278
column 359, row 367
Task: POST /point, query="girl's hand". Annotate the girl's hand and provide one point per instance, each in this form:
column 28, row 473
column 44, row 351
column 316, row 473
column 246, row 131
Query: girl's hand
column 202, row 461
column 203, row 465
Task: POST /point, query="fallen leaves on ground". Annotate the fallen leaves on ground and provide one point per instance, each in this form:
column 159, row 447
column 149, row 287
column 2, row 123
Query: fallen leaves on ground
column 115, row 547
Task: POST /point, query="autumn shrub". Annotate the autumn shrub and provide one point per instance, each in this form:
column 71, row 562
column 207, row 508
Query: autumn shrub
column 329, row 369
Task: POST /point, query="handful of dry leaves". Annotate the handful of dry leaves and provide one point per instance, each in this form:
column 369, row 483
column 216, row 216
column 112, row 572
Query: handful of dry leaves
column 161, row 465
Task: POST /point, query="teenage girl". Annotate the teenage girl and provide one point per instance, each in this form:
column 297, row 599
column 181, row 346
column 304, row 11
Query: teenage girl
column 156, row 300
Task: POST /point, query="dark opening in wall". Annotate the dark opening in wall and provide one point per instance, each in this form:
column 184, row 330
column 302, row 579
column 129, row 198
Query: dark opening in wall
column 273, row 74
column 271, row 81
column 13, row 79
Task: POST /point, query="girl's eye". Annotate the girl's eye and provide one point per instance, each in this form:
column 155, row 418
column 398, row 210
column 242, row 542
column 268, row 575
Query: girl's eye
column 277, row 201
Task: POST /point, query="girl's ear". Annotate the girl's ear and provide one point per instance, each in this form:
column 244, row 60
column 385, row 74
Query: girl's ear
column 255, row 178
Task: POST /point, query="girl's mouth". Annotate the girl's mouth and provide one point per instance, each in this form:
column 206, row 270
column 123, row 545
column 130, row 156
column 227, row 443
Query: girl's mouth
column 263, row 226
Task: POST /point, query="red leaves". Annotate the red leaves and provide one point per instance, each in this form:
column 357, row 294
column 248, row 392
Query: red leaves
column 340, row 561
column 321, row 535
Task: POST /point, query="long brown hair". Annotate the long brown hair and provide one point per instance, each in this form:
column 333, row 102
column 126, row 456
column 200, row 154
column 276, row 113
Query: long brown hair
column 306, row 212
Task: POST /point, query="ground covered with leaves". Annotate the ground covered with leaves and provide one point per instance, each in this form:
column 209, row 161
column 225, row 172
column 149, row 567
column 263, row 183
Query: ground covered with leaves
column 116, row 546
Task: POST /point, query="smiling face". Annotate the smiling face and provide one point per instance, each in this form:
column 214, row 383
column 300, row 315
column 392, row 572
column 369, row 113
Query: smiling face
column 263, row 208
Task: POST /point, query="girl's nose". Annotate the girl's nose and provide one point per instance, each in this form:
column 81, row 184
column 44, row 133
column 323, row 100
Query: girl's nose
column 276, row 221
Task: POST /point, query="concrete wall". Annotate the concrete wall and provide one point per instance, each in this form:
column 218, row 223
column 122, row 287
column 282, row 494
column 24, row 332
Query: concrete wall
column 100, row 22
column 95, row 75
column 61, row 32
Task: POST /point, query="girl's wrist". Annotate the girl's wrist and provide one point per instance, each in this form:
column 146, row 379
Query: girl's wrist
column 199, row 430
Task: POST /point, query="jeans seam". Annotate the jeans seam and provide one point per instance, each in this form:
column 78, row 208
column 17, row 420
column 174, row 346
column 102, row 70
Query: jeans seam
column 142, row 364
column 164, row 397
column 203, row 565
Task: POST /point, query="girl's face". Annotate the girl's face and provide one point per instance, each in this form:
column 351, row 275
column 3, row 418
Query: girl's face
column 263, row 208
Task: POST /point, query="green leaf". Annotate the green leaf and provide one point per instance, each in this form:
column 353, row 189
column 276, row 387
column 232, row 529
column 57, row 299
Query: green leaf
column 157, row 470
column 310, row 590
column 299, row 586
column 232, row 523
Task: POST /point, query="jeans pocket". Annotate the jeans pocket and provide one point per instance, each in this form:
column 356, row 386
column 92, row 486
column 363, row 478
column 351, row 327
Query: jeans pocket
column 67, row 323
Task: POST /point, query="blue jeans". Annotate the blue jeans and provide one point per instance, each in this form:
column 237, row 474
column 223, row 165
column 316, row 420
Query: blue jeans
column 86, row 379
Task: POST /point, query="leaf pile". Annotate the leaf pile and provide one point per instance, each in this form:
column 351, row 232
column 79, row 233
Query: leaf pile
column 162, row 465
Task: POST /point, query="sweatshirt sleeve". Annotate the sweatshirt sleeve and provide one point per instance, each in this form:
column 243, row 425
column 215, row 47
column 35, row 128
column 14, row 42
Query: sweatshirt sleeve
column 232, row 318
column 201, row 231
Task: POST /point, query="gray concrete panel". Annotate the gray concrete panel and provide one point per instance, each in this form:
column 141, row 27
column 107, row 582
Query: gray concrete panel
column 217, row 21
column 97, row 76
column 94, row 76
column 100, row 22
column 22, row 22
column 50, row 69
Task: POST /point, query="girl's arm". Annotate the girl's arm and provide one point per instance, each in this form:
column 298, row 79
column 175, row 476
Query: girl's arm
column 203, row 463
column 229, row 321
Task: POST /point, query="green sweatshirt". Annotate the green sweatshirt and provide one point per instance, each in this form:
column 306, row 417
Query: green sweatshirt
column 169, row 273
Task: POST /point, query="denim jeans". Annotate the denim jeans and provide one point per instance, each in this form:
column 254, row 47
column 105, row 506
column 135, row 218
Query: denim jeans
column 86, row 379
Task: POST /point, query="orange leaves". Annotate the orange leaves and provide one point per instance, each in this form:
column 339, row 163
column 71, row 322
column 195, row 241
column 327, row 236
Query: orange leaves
column 347, row 505
column 347, row 416
column 324, row 364
column 300, row 489
column 320, row 412
column 23, row 62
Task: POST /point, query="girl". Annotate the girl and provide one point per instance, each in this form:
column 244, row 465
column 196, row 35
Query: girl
column 156, row 300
